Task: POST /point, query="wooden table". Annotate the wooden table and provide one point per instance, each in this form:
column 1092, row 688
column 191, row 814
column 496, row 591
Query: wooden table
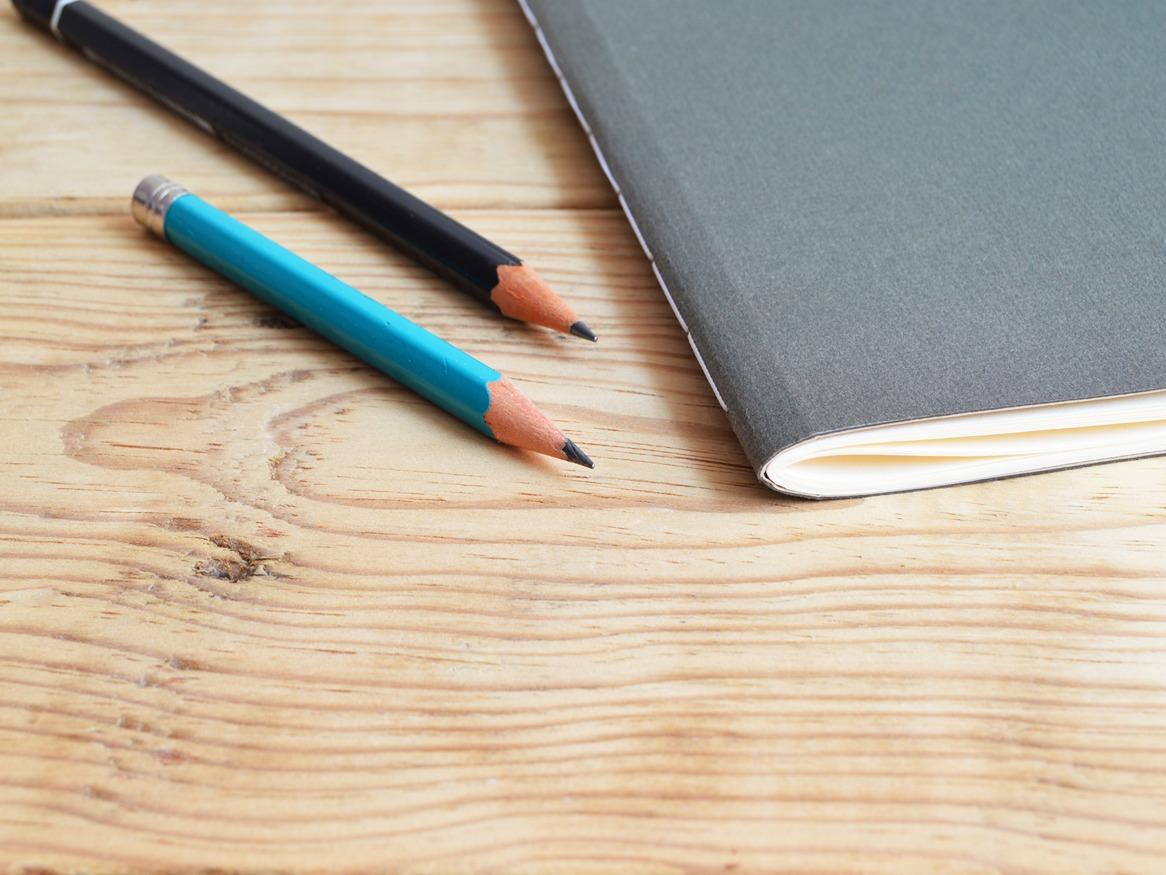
column 261, row 609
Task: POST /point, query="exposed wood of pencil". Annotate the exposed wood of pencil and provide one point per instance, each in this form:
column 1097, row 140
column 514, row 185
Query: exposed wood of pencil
column 516, row 421
column 256, row 616
column 524, row 295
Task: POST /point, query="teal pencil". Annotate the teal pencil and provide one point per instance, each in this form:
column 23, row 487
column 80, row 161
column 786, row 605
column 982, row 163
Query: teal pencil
column 453, row 380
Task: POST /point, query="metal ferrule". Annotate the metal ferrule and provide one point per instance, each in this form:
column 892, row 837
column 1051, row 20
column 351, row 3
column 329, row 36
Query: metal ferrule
column 152, row 198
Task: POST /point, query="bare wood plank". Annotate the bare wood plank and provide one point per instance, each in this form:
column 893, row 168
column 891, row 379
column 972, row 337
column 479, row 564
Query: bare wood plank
column 262, row 608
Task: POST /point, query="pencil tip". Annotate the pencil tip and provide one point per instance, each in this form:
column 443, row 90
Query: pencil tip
column 580, row 329
column 574, row 454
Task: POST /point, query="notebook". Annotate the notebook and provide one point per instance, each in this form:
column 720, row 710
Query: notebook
column 912, row 243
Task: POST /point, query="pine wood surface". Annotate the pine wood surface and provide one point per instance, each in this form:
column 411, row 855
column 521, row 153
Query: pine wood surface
column 262, row 610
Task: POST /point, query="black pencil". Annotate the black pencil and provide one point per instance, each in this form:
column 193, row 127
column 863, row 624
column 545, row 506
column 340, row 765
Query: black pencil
column 468, row 260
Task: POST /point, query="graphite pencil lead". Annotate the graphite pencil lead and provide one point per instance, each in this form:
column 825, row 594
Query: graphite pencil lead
column 574, row 454
column 580, row 329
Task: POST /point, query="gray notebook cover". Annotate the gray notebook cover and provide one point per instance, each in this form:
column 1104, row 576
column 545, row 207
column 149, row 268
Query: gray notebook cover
column 871, row 212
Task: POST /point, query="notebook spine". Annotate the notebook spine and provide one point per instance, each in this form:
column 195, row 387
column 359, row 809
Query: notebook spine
column 549, row 52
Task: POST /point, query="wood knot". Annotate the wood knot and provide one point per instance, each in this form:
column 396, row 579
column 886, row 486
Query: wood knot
column 246, row 562
column 278, row 321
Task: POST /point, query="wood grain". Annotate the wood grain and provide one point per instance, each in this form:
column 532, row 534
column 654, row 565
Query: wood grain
column 262, row 610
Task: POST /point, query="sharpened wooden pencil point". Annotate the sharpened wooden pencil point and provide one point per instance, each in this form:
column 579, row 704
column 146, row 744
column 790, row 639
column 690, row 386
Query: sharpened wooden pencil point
column 516, row 421
column 524, row 295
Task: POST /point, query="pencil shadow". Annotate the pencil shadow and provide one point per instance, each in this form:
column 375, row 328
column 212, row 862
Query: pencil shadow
column 638, row 323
